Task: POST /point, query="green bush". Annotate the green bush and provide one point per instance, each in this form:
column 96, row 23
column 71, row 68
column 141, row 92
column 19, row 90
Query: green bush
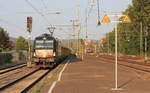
column 21, row 56
column 5, row 58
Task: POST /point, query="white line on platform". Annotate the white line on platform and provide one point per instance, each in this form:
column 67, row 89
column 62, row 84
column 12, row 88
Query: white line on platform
column 52, row 87
column 60, row 74
column 59, row 78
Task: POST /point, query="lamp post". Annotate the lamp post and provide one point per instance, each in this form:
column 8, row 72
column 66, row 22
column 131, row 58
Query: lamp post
column 98, row 13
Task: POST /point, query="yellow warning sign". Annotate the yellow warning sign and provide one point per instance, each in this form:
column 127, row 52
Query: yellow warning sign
column 106, row 19
column 126, row 19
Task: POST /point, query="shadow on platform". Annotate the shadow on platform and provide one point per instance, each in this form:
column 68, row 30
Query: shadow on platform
column 74, row 59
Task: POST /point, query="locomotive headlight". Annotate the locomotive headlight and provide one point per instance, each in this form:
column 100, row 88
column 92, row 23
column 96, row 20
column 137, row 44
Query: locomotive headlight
column 54, row 54
column 34, row 54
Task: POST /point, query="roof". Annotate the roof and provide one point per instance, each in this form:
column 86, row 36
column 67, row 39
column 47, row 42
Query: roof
column 45, row 36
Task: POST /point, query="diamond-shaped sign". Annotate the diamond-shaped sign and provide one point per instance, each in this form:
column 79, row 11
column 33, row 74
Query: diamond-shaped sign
column 106, row 19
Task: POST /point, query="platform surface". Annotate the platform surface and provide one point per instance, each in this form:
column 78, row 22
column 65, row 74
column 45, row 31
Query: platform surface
column 96, row 75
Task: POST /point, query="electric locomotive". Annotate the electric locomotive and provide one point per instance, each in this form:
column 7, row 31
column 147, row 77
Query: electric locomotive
column 46, row 51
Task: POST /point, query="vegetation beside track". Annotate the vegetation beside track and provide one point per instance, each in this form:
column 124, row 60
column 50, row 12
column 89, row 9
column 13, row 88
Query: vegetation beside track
column 5, row 58
column 130, row 39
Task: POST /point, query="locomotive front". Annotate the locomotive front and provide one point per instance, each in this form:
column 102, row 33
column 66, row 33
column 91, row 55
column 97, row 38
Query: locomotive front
column 45, row 51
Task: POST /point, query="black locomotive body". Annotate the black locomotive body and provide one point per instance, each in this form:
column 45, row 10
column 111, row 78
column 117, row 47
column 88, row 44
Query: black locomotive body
column 47, row 51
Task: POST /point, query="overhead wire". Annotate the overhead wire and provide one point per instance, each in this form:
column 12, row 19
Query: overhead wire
column 44, row 4
column 40, row 13
column 14, row 25
column 46, row 9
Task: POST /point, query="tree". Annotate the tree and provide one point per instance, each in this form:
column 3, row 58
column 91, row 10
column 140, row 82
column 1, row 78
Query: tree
column 4, row 39
column 129, row 34
column 21, row 44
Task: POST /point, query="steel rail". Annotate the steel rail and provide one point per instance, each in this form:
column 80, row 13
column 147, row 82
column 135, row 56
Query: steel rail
column 17, row 80
column 3, row 68
column 130, row 60
column 25, row 90
column 136, row 68
column 11, row 69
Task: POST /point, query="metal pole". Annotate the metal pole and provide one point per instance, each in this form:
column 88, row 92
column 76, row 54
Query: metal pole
column 29, row 62
column 98, row 13
column 116, row 65
column 79, row 28
column 145, row 49
column 73, row 23
column 86, row 23
column 68, row 41
column 86, row 30
column 116, row 61
column 108, row 42
column 141, row 39
column 82, row 52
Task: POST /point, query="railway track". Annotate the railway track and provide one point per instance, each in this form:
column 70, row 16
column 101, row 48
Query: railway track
column 128, row 60
column 128, row 63
column 12, row 68
column 3, row 87
column 13, row 75
column 34, row 82
column 25, row 82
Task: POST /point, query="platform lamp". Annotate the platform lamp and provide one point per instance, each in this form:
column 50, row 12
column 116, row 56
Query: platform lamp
column 98, row 14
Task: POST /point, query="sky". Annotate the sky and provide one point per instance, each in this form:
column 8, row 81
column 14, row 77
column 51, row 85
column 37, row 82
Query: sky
column 14, row 13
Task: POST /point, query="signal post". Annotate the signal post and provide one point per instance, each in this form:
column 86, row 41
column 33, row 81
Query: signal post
column 29, row 29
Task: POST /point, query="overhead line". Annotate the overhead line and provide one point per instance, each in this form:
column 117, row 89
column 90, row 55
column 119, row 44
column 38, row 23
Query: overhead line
column 38, row 11
column 46, row 9
column 14, row 25
column 44, row 4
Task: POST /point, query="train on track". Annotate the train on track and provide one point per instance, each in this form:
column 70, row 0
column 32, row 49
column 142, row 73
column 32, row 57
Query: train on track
column 48, row 51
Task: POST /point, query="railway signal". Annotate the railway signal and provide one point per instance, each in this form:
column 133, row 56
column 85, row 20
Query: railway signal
column 29, row 24
column 29, row 29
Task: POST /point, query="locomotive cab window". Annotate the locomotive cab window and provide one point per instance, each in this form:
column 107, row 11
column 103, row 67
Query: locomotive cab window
column 48, row 44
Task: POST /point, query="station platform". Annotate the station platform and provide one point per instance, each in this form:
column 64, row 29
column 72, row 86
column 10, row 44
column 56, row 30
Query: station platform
column 96, row 75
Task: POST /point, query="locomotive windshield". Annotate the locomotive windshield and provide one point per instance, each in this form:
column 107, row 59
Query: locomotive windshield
column 44, row 44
